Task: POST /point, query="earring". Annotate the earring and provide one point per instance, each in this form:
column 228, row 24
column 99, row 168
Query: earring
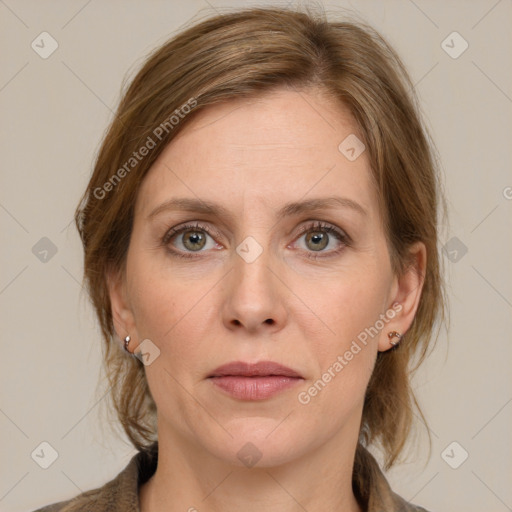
column 126, row 343
column 391, row 335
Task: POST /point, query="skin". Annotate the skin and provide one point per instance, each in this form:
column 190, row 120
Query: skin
column 252, row 157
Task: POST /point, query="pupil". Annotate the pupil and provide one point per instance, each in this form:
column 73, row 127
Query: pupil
column 319, row 240
column 194, row 239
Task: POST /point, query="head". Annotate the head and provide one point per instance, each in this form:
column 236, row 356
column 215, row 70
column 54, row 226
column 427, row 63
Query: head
column 252, row 116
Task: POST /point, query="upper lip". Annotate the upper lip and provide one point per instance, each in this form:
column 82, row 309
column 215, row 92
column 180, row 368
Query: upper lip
column 260, row 369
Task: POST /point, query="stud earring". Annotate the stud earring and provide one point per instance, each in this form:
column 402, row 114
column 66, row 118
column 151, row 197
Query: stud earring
column 393, row 334
column 126, row 343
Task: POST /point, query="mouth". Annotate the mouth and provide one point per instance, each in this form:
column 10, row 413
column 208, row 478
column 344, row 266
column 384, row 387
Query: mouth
column 261, row 369
column 258, row 381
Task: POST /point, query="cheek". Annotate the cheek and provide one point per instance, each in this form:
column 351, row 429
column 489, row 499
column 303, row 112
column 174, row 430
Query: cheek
column 342, row 340
column 345, row 303
column 170, row 309
column 159, row 296
column 345, row 358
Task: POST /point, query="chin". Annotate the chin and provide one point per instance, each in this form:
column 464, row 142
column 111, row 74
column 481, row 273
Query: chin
column 259, row 443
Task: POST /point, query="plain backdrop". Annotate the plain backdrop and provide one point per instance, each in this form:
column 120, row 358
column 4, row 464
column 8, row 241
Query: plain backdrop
column 53, row 113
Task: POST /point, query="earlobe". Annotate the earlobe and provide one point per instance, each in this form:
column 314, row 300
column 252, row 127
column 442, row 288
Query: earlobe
column 392, row 335
column 408, row 294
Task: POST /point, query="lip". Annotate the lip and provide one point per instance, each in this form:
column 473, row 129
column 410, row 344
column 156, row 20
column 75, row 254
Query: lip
column 254, row 381
column 260, row 369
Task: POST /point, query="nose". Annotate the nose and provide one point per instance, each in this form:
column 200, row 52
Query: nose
column 254, row 296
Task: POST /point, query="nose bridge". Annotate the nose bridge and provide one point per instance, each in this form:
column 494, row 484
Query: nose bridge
column 252, row 275
column 254, row 296
column 253, row 253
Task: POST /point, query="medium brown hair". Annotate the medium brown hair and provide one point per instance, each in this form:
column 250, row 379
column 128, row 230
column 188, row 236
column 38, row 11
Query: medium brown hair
column 241, row 54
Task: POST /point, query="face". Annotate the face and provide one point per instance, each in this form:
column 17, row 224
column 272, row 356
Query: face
column 277, row 254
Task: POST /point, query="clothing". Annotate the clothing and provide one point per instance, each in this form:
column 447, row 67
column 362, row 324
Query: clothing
column 121, row 494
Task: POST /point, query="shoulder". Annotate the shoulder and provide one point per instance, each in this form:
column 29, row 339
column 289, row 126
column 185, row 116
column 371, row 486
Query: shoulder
column 372, row 488
column 86, row 501
column 118, row 495
column 404, row 506
column 98, row 500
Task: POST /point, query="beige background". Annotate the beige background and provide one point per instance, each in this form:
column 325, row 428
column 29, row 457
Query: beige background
column 53, row 114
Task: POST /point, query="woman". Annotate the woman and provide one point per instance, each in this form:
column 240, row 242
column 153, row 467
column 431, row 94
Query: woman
column 260, row 233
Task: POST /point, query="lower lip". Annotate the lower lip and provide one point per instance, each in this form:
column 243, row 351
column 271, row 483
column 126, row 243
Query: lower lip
column 254, row 388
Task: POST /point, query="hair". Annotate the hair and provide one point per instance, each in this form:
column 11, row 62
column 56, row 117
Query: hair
column 242, row 54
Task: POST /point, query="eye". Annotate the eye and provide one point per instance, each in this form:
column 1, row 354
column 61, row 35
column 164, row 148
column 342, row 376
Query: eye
column 189, row 238
column 183, row 241
column 321, row 235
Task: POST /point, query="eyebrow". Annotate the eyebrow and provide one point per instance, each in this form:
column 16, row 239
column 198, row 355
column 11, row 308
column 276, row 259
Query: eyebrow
column 289, row 209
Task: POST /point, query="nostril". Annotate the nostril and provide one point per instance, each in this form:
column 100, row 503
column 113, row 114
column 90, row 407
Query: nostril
column 269, row 321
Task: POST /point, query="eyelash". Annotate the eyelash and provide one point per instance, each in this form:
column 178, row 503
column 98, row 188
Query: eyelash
column 317, row 226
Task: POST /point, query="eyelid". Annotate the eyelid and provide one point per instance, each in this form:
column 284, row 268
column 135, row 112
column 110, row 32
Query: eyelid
column 307, row 226
column 197, row 225
column 327, row 226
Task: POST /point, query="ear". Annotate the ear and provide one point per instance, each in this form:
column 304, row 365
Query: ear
column 405, row 295
column 122, row 315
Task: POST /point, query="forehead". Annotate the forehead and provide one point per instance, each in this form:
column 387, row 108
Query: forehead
column 269, row 149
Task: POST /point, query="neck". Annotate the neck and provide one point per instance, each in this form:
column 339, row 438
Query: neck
column 188, row 479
